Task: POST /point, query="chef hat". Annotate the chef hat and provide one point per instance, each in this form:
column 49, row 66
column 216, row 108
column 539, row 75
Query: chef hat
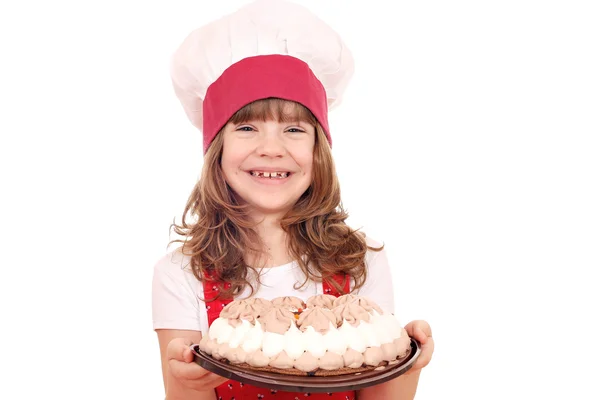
column 268, row 48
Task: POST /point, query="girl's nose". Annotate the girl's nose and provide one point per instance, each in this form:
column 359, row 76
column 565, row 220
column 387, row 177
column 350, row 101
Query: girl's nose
column 271, row 145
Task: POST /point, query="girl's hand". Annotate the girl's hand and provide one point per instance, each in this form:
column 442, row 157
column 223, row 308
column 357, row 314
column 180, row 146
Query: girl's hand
column 187, row 373
column 421, row 331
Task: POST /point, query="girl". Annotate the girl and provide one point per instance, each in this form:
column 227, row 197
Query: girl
column 267, row 211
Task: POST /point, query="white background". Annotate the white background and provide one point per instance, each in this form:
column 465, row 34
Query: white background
column 468, row 142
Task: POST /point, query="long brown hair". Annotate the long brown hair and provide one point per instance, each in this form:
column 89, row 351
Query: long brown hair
column 318, row 237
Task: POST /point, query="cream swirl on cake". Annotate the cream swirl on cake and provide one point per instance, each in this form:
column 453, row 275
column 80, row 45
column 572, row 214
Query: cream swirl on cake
column 291, row 303
column 277, row 320
column 344, row 299
column 367, row 304
column 317, row 318
column 351, row 312
column 321, row 300
column 245, row 310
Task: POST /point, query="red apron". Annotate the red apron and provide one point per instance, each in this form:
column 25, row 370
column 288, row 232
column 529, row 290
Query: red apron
column 233, row 390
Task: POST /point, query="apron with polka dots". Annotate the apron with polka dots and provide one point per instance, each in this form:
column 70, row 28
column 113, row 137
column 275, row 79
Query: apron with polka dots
column 233, row 390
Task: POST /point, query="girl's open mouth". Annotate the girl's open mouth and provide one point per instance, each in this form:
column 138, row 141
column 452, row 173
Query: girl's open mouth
column 270, row 175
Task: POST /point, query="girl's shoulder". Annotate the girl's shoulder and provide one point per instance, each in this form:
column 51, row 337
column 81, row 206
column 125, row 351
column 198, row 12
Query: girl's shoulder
column 175, row 265
column 378, row 285
column 176, row 294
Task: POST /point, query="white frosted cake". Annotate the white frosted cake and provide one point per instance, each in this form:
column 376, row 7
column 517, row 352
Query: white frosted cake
column 325, row 336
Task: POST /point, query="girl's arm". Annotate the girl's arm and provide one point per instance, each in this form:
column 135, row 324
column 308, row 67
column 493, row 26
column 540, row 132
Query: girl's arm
column 178, row 318
column 402, row 388
column 177, row 359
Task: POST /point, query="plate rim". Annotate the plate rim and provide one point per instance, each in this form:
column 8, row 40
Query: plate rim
column 281, row 382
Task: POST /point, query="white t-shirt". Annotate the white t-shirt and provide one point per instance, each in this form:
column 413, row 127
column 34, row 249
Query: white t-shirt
column 177, row 294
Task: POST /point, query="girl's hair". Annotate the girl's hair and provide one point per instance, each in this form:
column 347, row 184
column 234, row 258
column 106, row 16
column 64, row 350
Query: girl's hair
column 318, row 238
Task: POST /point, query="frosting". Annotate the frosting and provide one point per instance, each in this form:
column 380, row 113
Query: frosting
column 289, row 302
column 388, row 324
column 368, row 332
column 354, row 333
column 307, row 363
column 277, row 320
column 335, row 341
column 339, row 301
column 220, row 330
column 221, row 351
column 237, row 356
column 384, row 331
column 367, row 304
column 353, row 359
column 389, row 351
column 211, row 345
column 202, row 343
column 257, row 359
column 257, row 302
column 402, row 343
column 351, row 312
column 239, row 333
column 294, row 344
column 373, row 356
column 272, row 344
column 321, row 300
column 282, row 361
column 364, row 302
column 331, row 361
column 308, row 360
column 318, row 318
column 229, row 352
column 245, row 310
column 253, row 339
column 354, row 340
column 313, row 342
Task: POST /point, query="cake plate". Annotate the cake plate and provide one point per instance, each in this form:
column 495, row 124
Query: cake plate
column 308, row 384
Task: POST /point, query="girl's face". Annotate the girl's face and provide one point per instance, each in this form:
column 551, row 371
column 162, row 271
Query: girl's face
column 268, row 163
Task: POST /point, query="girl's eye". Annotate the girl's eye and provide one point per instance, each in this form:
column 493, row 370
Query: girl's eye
column 245, row 129
column 295, row 130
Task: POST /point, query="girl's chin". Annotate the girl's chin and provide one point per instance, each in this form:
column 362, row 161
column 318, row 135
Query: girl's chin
column 265, row 210
column 261, row 209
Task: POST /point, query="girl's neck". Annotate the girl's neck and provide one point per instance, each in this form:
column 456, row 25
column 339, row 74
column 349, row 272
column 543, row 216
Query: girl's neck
column 274, row 239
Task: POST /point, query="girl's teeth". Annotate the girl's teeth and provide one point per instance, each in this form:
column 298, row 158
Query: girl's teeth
column 270, row 175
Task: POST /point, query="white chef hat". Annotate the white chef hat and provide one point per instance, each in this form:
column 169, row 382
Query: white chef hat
column 268, row 48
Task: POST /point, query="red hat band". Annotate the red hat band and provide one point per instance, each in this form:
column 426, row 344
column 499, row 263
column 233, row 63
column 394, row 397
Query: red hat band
column 260, row 77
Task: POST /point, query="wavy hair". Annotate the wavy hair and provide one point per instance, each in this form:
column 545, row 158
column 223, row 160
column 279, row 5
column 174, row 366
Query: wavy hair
column 222, row 232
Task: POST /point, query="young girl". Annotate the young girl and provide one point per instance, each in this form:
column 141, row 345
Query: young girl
column 267, row 216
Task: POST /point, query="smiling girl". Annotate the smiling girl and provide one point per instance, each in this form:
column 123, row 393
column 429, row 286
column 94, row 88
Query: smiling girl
column 266, row 215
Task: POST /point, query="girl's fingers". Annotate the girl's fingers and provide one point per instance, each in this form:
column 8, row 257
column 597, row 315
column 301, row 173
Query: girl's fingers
column 421, row 331
column 420, row 336
column 425, row 356
column 188, row 356
column 183, row 370
column 425, row 328
column 207, row 382
column 178, row 349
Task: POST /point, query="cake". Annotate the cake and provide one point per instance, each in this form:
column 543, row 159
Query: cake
column 325, row 336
